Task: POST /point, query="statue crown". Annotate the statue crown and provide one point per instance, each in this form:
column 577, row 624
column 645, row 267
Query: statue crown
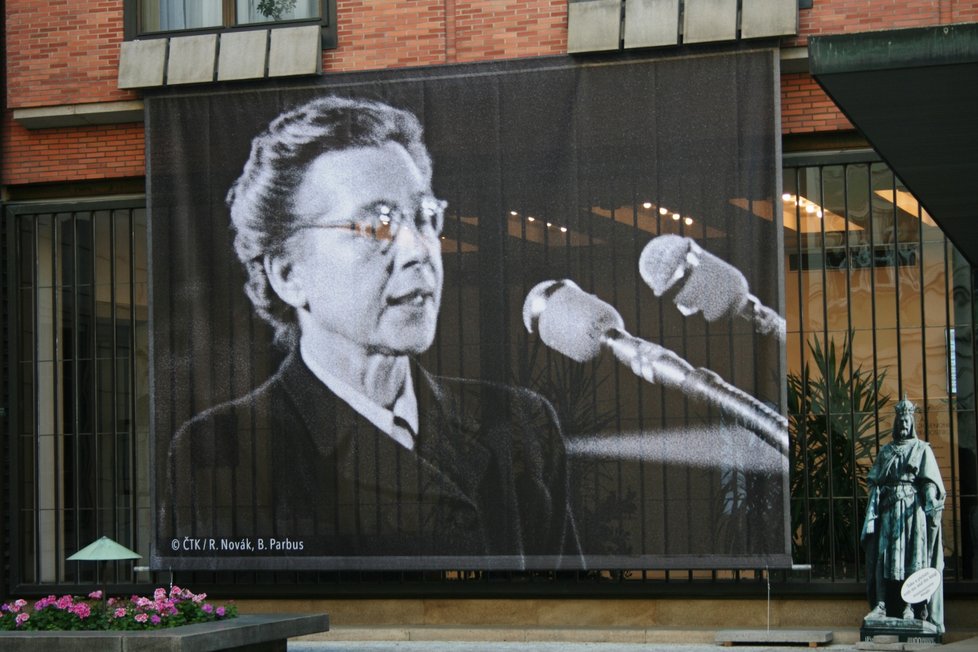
column 905, row 406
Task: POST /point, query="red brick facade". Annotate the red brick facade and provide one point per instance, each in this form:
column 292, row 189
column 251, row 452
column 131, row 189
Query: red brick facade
column 61, row 52
column 71, row 153
column 844, row 16
column 806, row 108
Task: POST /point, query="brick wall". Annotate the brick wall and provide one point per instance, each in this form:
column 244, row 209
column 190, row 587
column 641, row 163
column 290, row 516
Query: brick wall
column 805, row 107
column 71, row 154
column 374, row 35
column 62, row 52
column 844, row 16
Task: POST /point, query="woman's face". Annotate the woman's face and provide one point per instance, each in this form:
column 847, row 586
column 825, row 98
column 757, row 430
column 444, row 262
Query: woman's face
column 377, row 291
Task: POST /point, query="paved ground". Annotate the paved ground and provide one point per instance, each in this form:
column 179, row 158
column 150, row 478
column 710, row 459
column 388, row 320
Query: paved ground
column 427, row 646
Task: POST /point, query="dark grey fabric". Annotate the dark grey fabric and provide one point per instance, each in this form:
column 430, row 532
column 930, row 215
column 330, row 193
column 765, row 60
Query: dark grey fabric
column 487, row 477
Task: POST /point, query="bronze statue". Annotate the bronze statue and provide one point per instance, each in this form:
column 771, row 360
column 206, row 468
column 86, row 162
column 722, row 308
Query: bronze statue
column 902, row 530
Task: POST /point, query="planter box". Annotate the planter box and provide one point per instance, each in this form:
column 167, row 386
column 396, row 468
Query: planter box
column 255, row 633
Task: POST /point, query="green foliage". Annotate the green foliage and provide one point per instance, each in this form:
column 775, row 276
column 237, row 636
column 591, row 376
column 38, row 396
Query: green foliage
column 275, row 9
column 71, row 613
column 832, row 408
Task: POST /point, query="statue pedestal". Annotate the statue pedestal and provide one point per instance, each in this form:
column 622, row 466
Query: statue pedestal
column 906, row 631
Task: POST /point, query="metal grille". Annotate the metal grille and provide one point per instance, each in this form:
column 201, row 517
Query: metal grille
column 79, row 436
column 875, row 295
column 866, row 269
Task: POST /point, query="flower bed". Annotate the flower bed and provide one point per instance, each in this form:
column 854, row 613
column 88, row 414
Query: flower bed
column 165, row 609
column 246, row 633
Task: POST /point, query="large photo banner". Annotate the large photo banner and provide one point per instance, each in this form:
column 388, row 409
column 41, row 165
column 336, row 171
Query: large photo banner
column 520, row 315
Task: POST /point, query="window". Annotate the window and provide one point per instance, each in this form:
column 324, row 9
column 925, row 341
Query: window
column 879, row 305
column 147, row 17
column 80, row 348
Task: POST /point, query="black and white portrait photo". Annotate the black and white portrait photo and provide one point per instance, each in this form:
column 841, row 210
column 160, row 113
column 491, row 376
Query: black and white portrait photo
column 506, row 316
column 351, row 447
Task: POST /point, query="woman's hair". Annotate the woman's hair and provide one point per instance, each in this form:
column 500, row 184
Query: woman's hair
column 261, row 200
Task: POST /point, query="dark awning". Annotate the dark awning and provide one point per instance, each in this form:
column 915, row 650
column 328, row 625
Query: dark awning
column 913, row 93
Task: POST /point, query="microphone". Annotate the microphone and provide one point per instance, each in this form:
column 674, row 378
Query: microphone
column 579, row 325
column 706, row 284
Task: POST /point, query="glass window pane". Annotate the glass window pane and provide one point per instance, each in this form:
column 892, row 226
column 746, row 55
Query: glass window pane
column 812, row 309
column 837, row 299
column 884, row 284
column 165, row 15
column 857, row 205
column 907, row 211
column 262, row 11
column 934, row 285
column 937, row 351
column 909, row 279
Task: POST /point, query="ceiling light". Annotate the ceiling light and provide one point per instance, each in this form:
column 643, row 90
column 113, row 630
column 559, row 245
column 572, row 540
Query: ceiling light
column 663, row 210
column 676, row 216
column 647, row 205
column 688, row 221
column 530, row 218
column 563, row 229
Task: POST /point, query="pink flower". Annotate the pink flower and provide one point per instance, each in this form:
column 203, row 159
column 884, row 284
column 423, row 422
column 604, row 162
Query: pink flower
column 21, row 619
column 159, row 595
column 44, row 603
column 141, row 618
column 175, row 591
column 200, row 597
column 220, row 612
column 95, row 595
column 20, row 603
column 81, row 609
column 119, row 613
column 111, row 601
column 64, row 602
column 155, row 619
column 207, row 608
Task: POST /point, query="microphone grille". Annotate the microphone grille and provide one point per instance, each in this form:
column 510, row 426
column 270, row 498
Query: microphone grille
column 704, row 282
column 568, row 319
column 663, row 262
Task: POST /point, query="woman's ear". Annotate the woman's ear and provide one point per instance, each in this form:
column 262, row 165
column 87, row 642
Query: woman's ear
column 282, row 276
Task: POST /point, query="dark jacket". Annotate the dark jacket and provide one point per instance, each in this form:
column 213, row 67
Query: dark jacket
column 485, row 487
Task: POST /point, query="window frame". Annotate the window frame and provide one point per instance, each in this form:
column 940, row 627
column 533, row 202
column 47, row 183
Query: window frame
column 327, row 23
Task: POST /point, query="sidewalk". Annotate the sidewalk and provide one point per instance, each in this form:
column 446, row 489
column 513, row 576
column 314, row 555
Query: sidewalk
column 504, row 639
column 456, row 646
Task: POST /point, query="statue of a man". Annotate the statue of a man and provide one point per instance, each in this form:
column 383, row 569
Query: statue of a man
column 902, row 530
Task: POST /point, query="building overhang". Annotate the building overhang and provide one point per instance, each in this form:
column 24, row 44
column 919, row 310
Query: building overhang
column 913, row 93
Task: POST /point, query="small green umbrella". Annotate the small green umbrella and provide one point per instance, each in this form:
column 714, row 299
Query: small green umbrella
column 105, row 549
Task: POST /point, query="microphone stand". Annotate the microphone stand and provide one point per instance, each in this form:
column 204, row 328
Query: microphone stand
column 657, row 364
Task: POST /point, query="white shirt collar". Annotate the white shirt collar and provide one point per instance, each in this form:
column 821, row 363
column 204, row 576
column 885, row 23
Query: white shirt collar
column 405, row 406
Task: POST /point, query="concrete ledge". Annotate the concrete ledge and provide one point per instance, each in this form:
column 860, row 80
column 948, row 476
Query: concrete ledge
column 809, row 637
column 142, row 63
column 614, row 635
column 255, row 633
column 79, row 115
column 593, row 25
column 967, row 645
column 191, row 59
column 295, row 51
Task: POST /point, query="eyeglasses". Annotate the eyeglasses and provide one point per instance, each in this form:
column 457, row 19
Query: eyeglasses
column 381, row 222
